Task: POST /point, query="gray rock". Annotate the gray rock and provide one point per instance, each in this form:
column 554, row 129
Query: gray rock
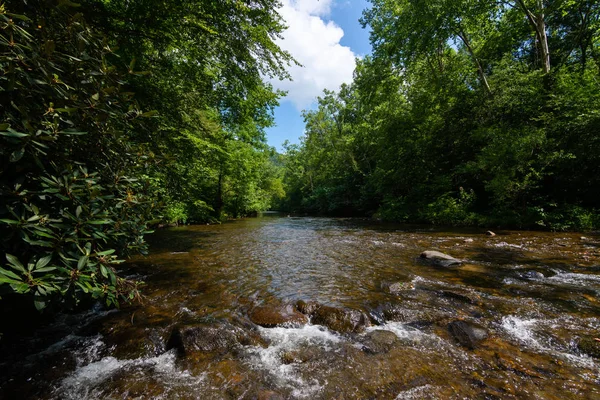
column 440, row 259
column 379, row 341
column 467, row 334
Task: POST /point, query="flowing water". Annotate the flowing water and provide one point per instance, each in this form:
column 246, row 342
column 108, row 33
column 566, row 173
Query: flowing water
column 535, row 294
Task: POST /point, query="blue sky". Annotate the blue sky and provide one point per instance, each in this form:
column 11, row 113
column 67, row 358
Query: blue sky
column 325, row 36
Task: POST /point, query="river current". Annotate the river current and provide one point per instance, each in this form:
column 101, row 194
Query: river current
column 535, row 296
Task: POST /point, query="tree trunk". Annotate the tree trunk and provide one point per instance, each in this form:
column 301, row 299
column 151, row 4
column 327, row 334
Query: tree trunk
column 480, row 70
column 538, row 23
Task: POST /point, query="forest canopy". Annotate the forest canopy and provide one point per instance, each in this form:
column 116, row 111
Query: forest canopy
column 466, row 113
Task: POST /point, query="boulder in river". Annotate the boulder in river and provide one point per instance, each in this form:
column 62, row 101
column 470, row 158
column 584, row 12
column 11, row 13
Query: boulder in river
column 379, row 341
column 307, row 307
column 440, row 259
column 340, row 320
column 589, row 346
column 271, row 316
column 467, row 334
column 208, row 338
column 490, row 233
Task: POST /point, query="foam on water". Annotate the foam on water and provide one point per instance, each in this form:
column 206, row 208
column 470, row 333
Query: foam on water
column 415, row 393
column 524, row 331
column 576, row 279
column 86, row 382
column 289, row 339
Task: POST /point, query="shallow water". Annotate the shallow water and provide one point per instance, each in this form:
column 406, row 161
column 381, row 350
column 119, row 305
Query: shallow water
column 535, row 293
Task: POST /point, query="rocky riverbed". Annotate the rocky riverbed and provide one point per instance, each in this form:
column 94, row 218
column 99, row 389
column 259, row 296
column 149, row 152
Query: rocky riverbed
column 285, row 308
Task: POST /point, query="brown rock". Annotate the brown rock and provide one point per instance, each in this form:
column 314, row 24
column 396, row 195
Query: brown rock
column 341, row 320
column 307, row 307
column 271, row 316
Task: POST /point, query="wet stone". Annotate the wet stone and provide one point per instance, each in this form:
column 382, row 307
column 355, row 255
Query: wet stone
column 341, row 320
column 467, row 298
column 214, row 338
column 440, row 259
column 467, row 334
column 307, row 307
column 379, row 341
column 590, row 346
column 397, row 287
column 272, row 316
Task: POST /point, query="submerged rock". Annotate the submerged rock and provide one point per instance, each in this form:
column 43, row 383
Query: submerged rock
column 589, row 346
column 340, row 320
column 214, row 338
column 271, row 316
column 467, row 298
column 439, row 258
column 467, row 334
column 379, row 341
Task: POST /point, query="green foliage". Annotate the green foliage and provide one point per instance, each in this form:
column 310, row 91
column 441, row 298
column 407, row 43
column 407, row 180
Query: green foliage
column 71, row 201
column 500, row 98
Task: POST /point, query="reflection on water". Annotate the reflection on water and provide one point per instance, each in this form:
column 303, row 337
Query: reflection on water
column 535, row 294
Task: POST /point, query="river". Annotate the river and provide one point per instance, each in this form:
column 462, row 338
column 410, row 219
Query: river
column 363, row 317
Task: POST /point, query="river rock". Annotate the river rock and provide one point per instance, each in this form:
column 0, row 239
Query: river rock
column 490, row 233
column 397, row 287
column 470, row 298
column 589, row 346
column 440, row 259
column 467, row 334
column 468, row 240
column 533, row 275
column 271, row 316
column 307, row 307
column 379, row 341
column 340, row 320
column 214, row 338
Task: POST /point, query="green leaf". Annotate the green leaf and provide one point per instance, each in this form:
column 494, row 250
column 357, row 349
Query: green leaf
column 83, row 260
column 4, row 279
column 46, row 269
column 39, row 304
column 149, row 114
column 9, row 221
column 14, row 134
column 78, row 211
column 105, row 253
column 10, row 274
column 42, row 262
column 14, row 261
column 103, row 271
column 17, row 155
column 99, row 222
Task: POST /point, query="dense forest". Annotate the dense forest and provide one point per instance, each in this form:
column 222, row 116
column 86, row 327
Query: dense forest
column 118, row 116
column 467, row 113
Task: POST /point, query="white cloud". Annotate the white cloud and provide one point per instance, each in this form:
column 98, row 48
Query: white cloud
column 315, row 43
